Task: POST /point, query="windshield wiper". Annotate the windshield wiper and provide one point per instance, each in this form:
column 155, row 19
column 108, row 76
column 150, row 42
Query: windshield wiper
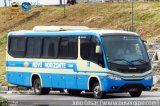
column 112, row 61
column 139, row 60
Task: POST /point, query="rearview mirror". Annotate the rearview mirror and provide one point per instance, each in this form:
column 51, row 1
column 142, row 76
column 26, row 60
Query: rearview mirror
column 98, row 49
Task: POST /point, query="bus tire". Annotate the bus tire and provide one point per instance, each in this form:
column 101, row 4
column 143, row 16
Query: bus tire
column 97, row 93
column 135, row 93
column 74, row 92
column 46, row 90
column 61, row 90
column 38, row 90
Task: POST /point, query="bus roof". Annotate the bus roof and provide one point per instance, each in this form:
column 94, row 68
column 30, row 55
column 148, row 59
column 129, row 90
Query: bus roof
column 68, row 30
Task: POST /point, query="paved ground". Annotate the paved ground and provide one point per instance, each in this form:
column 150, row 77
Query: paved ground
column 59, row 99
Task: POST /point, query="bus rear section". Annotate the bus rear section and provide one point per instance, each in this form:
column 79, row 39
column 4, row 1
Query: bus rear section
column 98, row 61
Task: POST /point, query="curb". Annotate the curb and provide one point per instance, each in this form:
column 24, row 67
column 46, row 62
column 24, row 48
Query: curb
column 154, row 89
column 22, row 92
column 16, row 92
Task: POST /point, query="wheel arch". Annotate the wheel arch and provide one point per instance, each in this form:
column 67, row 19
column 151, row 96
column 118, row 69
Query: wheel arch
column 91, row 78
column 34, row 76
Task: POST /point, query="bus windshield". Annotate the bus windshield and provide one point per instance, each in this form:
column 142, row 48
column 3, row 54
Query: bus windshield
column 125, row 49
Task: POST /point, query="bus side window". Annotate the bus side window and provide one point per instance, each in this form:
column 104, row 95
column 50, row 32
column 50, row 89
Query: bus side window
column 34, row 47
column 88, row 50
column 68, row 47
column 85, row 47
column 60, row 47
column 17, row 46
column 50, row 47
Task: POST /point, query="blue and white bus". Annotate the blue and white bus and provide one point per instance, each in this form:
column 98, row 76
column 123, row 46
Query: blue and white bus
column 78, row 59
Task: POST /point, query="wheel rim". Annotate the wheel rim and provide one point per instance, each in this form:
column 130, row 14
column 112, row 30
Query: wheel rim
column 97, row 91
column 38, row 87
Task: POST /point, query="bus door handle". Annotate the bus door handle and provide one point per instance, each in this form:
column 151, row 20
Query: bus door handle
column 49, row 77
column 62, row 77
column 20, row 75
column 78, row 78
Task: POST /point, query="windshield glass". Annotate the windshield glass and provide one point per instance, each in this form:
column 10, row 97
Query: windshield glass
column 124, row 49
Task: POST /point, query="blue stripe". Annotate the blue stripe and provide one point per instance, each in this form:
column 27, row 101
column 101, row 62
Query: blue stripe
column 53, row 65
column 117, row 74
column 72, row 66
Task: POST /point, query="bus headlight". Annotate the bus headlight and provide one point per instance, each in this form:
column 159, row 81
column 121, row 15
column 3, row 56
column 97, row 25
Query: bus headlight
column 148, row 78
column 113, row 77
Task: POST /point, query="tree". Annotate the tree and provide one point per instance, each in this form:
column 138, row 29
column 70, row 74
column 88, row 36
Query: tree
column 5, row 3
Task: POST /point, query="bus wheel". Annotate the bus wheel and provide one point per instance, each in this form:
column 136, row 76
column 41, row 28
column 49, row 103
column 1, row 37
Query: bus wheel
column 37, row 87
column 74, row 92
column 61, row 90
column 46, row 90
column 135, row 93
column 97, row 93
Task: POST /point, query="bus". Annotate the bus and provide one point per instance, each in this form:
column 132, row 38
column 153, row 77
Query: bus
column 78, row 58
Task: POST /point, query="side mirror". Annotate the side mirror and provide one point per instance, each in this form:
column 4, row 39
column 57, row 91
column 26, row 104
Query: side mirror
column 144, row 41
column 146, row 44
column 98, row 49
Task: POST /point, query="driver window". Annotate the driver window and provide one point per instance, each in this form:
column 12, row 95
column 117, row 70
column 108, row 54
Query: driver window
column 88, row 50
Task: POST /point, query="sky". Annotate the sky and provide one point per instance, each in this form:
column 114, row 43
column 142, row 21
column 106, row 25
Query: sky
column 43, row 2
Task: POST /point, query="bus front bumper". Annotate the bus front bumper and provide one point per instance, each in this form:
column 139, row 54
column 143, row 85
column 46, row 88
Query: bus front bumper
column 112, row 85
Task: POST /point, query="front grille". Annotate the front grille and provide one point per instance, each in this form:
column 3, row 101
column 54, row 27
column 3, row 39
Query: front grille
column 131, row 70
column 131, row 86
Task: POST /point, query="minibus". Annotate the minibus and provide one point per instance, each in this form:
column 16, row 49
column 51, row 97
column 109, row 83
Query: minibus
column 78, row 58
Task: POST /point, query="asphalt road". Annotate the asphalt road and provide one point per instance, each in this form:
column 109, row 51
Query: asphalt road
column 64, row 99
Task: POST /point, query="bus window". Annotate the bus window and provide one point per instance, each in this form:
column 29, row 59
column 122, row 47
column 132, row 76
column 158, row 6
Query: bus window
column 50, row 47
column 17, row 46
column 34, row 47
column 88, row 50
column 68, row 47
column 85, row 47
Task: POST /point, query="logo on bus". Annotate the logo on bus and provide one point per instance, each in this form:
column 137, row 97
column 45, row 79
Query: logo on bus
column 55, row 65
column 133, row 76
column 26, row 64
column 50, row 65
column 37, row 65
